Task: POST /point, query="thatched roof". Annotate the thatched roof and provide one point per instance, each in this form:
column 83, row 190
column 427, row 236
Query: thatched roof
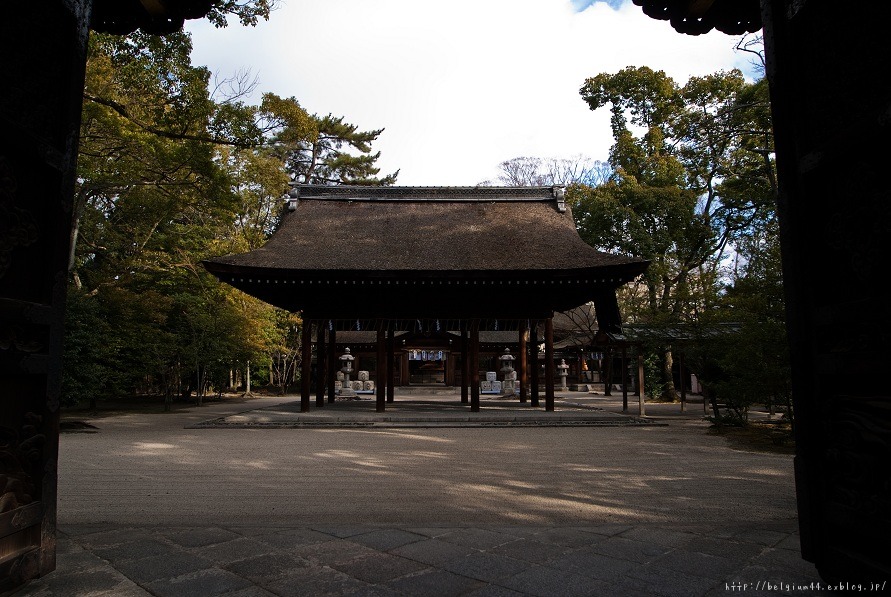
column 427, row 252
column 425, row 229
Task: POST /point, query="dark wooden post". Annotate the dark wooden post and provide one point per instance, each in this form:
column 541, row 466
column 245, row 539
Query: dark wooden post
column 522, row 373
column 475, row 366
column 465, row 364
column 305, row 364
column 535, row 365
column 391, row 356
column 321, row 359
column 380, row 376
column 624, row 378
column 43, row 45
column 828, row 225
column 683, row 382
column 549, row 363
column 608, row 372
column 640, row 380
column 332, row 364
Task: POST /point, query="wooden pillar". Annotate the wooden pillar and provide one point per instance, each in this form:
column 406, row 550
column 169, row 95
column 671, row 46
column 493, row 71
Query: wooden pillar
column 522, row 376
column 380, row 375
column 332, row 363
column 321, row 357
column 306, row 364
column 535, row 364
column 391, row 357
column 465, row 364
column 683, row 382
column 549, row 363
column 475, row 366
column 608, row 373
column 624, row 379
column 44, row 47
column 640, row 381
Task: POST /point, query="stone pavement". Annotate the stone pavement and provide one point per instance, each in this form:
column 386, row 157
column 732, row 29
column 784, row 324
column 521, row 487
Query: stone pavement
column 121, row 535
column 424, row 411
column 548, row 561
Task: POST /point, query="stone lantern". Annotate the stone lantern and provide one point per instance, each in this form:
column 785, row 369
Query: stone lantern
column 507, row 363
column 563, row 371
column 509, row 385
column 346, row 367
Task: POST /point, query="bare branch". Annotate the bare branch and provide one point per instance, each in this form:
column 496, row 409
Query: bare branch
column 227, row 90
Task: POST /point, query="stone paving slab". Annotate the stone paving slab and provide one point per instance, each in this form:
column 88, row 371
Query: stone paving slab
column 430, row 411
column 646, row 559
column 698, row 542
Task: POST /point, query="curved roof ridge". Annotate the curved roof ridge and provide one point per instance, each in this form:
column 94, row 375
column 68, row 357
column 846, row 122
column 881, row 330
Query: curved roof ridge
column 425, row 193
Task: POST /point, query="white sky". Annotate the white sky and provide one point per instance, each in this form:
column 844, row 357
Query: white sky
column 458, row 86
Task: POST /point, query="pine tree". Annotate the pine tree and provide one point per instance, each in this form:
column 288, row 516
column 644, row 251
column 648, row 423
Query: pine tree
column 336, row 153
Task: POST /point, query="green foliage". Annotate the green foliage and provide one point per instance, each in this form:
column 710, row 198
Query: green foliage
column 752, row 364
column 167, row 176
column 113, row 336
column 654, row 384
column 248, row 12
column 86, row 367
column 334, row 151
column 693, row 186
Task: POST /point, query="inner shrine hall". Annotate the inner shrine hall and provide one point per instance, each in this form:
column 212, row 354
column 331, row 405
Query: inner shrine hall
column 429, row 262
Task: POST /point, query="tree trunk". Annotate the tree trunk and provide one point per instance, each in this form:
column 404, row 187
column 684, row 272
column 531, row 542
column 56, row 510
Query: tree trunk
column 669, row 392
column 247, row 379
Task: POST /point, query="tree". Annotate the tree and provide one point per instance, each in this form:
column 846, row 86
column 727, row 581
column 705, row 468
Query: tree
column 167, row 177
column 248, row 12
column 334, row 152
column 751, row 363
column 693, row 179
column 171, row 173
column 540, row 172
column 147, row 155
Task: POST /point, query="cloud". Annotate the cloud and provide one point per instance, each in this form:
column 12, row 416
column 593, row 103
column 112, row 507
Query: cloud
column 458, row 86
column 580, row 5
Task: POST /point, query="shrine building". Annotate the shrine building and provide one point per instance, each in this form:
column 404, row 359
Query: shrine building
column 418, row 279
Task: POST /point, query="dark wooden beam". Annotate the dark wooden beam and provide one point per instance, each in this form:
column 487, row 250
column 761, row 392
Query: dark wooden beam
column 391, row 356
column 522, row 373
column 624, row 378
column 549, row 364
column 535, row 364
column 305, row 364
column 381, row 378
column 44, row 47
column 640, row 381
column 606, row 307
column 332, row 364
column 475, row 366
column 465, row 364
column 321, row 357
